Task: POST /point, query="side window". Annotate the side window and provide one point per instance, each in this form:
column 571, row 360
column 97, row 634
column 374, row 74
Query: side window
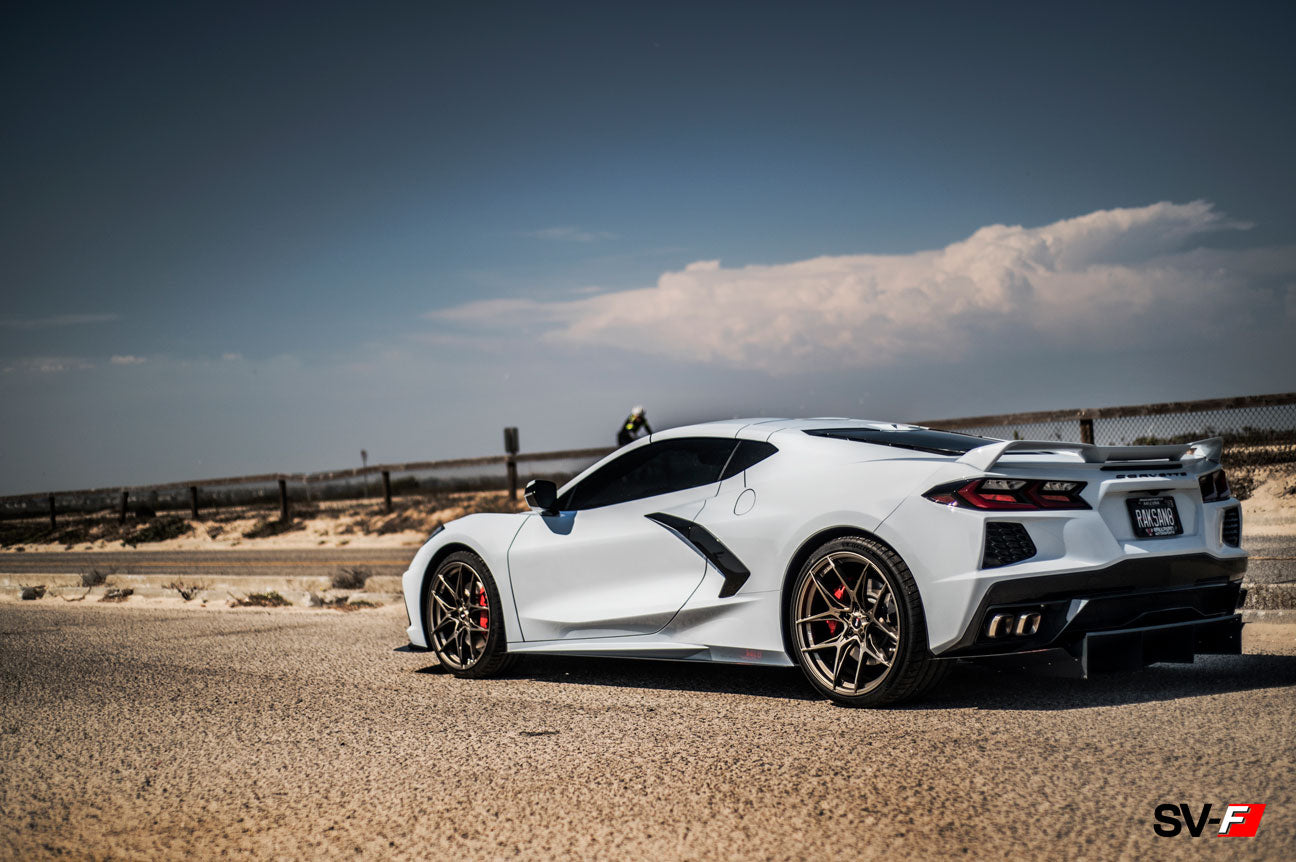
column 658, row 468
column 748, row 453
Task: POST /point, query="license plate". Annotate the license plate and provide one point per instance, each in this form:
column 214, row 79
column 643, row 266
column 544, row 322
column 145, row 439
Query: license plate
column 1154, row 517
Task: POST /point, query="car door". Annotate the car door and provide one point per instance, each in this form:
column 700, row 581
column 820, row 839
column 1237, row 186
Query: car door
column 601, row 567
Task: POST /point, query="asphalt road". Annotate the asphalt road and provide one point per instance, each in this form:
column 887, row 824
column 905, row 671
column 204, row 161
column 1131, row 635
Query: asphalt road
column 129, row 732
column 295, row 562
column 1273, row 559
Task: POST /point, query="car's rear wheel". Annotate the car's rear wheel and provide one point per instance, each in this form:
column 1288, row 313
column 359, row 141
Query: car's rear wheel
column 856, row 625
column 465, row 622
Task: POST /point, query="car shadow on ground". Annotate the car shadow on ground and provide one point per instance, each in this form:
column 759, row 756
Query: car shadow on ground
column 981, row 686
column 968, row 686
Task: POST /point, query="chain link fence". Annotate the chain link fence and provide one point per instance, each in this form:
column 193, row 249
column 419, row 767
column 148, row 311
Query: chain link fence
column 1257, row 430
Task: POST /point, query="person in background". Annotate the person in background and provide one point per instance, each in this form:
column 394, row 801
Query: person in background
column 635, row 423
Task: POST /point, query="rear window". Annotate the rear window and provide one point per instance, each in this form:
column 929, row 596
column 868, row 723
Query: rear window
column 919, row 440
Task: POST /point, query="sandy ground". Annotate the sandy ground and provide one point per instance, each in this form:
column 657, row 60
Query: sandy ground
column 133, row 732
column 1270, row 510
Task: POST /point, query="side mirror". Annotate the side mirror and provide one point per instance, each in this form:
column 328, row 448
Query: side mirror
column 542, row 494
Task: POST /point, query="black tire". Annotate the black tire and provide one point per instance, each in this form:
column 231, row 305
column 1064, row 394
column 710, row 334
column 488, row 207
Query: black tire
column 855, row 654
column 465, row 647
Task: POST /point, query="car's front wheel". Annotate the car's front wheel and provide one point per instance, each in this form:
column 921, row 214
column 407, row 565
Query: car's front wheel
column 464, row 619
column 856, row 625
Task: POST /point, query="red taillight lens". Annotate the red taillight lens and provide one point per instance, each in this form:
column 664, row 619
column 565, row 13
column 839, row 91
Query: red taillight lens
column 1010, row 494
column 1214, row 486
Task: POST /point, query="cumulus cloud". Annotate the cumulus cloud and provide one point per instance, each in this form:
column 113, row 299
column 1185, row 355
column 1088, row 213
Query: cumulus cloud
column 56, row 320
column 127, row 359
column 1113, row 277
column 568, row 233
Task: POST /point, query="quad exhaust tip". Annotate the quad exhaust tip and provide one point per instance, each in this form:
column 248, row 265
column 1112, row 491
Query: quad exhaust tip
column 1013, row 625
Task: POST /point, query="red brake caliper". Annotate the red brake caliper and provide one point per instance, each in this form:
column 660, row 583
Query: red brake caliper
column 837, row 594
column 481, row 600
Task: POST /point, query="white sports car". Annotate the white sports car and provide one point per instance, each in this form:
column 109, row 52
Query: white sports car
column 869, row 554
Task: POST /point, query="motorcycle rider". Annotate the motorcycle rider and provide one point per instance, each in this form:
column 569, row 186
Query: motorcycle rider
column 630, row 429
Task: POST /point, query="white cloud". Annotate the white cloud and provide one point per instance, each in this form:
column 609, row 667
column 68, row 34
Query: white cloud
column 56, row 320
column 127, row 360
column 569, row 234
column 1112, row 278
column 48, row 364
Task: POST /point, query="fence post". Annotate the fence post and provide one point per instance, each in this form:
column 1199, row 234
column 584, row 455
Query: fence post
column 511, row 447
column 125, row 497
column 51, row 502
column 283, row 499
column 193, row 501
column 1086, row 430
column 387, row 490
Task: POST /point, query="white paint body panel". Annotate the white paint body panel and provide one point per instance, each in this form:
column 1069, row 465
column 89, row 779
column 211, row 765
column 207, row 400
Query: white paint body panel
column 609, row 581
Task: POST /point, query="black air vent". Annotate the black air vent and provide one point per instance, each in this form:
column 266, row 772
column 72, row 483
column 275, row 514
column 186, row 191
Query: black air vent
column 1006, row 543
column 1233, row 526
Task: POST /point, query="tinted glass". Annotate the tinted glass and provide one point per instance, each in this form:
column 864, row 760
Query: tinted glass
column 658, row 468
column 921, row 440
column 749, row 452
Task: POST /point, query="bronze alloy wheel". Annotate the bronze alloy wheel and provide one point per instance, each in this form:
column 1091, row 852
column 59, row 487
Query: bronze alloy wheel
column 856, row 627
column 460, row 615
column 847, row 623
column 463, row 617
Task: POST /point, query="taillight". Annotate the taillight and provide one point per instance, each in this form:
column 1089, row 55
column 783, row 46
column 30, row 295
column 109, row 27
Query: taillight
column 1214, row 486
column 1010, row 494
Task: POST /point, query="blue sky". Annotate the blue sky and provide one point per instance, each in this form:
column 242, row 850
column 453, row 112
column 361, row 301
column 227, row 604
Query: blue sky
column 239, row 239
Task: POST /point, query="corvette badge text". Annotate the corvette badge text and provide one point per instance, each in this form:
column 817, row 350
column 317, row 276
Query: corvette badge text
column 1239, row 821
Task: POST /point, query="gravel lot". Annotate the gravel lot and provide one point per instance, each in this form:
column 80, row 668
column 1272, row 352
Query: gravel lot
column 135, row 731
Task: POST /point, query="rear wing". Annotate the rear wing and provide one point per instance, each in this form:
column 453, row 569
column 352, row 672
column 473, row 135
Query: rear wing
column 985, row 457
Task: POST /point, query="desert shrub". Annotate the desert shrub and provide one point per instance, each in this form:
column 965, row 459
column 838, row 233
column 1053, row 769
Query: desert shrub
column 265, row 528
column 186, row 591
column 159, row 530
column 350, row 579
column 1242, row 484
column 263, row 600
column 93, row 578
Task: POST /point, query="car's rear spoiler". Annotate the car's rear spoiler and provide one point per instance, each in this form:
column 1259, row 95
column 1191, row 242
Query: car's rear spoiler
column 985, row 457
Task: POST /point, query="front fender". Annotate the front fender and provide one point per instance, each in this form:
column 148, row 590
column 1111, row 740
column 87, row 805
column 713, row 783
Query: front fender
column 488, row 535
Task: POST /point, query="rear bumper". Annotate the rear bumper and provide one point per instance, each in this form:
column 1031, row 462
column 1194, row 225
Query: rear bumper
column 1143, row 608
column 1131, row 649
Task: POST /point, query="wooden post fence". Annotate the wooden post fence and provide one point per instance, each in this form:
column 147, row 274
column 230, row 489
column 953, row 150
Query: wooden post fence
column 283, row 499
column 1086, row 431
column 386, row 474
column 125, row 499
column 51, row 502
column 511, row 447
column 193, row 501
